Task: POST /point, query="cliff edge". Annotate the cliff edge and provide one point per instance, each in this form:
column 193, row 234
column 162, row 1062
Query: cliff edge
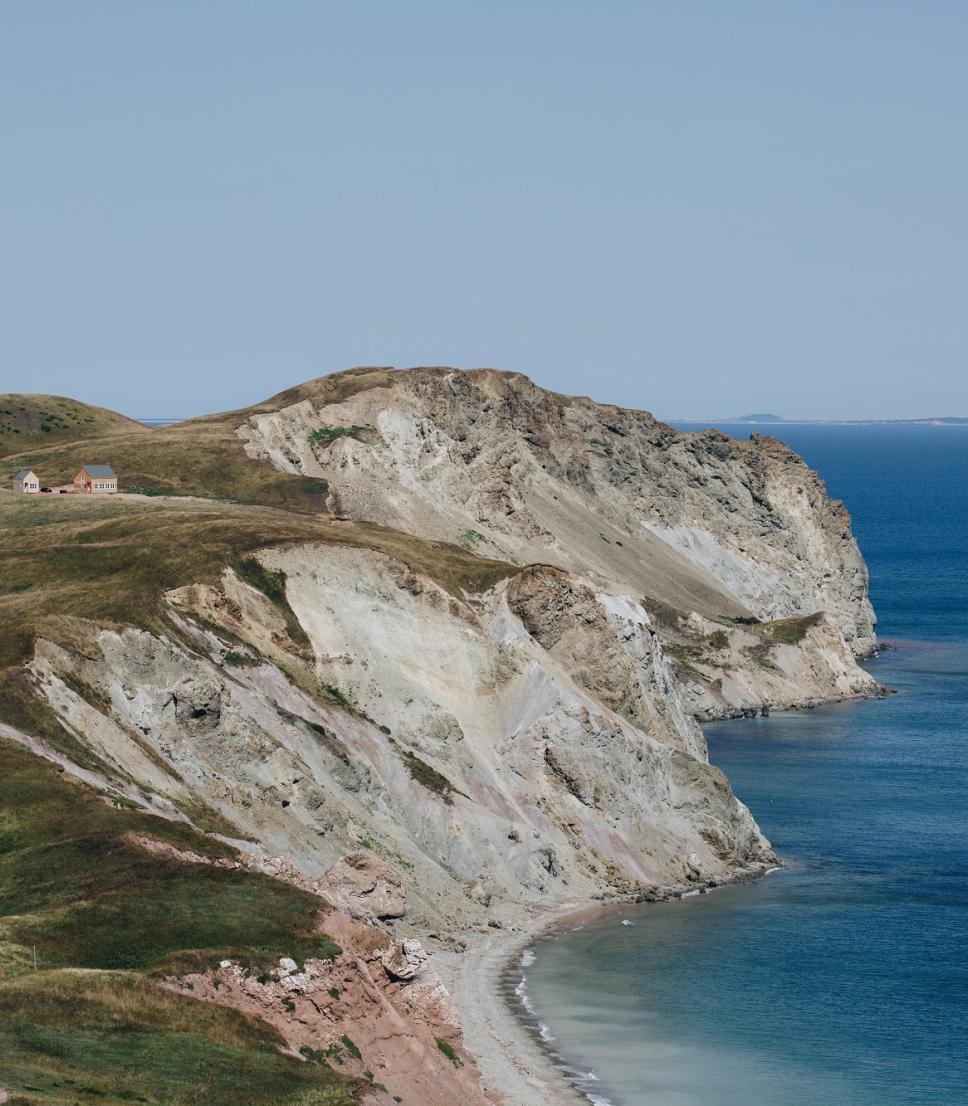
column 411, row 655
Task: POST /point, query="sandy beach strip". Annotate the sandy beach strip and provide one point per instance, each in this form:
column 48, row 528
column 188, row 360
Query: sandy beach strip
column 515, row 1068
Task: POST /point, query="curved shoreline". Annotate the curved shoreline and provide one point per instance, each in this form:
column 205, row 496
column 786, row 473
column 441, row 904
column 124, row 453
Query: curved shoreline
column 518, row 1066
column 530, row 1045
column 512, row 975
column 513, row 991
column 515, row 1069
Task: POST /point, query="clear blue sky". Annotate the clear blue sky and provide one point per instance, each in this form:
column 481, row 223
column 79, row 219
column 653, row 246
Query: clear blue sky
column 697, row 208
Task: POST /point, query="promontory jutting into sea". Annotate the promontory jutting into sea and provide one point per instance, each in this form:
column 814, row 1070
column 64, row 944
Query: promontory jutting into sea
column 347, row 696
column 843, row 971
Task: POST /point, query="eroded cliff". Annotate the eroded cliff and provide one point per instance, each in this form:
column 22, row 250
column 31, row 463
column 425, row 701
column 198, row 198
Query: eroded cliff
column 733, row 531
column 521, row 746
column 482, row 670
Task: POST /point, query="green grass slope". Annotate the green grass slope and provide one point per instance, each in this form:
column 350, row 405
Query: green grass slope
column 204, row 459
column 31, row 421
column 68, row 1038
column 75, row 886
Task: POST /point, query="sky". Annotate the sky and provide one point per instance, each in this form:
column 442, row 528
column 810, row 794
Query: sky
column 700, row 209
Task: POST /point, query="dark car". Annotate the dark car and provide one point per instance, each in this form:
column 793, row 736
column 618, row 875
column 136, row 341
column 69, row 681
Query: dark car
column 63, row 491
column 46, row 490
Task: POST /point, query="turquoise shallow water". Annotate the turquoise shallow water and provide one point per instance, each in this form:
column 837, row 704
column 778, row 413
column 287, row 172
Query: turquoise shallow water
column 842, row 979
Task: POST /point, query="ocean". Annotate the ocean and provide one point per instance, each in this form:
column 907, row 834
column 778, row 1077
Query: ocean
column 843, row 978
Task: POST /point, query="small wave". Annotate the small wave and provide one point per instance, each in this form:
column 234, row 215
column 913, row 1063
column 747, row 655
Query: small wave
column 521, row 993
column 626, row 922
column 581, row 1083
column 579, row 1078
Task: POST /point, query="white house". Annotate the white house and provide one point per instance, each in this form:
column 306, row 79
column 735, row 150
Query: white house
column 97, row 479
column 26, row 481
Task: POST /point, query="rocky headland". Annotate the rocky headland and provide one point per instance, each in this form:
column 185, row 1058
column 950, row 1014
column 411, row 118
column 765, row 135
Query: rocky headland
column 456, row 690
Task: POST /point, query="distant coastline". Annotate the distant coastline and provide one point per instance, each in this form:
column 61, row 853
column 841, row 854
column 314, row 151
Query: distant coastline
column 777, row 420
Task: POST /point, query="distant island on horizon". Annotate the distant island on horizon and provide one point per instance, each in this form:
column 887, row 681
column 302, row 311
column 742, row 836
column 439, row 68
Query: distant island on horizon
column 772, row 420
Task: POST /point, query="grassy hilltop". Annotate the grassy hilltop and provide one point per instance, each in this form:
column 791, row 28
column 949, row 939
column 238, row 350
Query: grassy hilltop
column 112, row 559
column 29, row 422
column 203, row 458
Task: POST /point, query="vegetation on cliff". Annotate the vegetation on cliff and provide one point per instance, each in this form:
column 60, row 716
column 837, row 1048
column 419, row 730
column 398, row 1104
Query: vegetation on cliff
column 31, row 422
column 106, row 919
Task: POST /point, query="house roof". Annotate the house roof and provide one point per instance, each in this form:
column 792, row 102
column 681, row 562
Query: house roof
column 99, row 470
column 23, row 474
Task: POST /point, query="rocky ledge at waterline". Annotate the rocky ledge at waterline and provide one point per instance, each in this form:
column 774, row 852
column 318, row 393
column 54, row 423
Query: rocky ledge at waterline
column 446, row 622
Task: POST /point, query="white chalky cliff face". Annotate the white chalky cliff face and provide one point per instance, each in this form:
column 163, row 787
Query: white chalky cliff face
column 487, row 459
column 516, row 750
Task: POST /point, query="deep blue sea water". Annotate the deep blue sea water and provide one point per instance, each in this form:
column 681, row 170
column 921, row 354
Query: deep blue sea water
column 844, row 978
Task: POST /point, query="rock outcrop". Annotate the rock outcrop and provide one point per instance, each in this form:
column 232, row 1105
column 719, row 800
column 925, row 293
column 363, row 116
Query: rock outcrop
column 401, row 1034
column 376, row 1010
column 366, row 887
column 608, row 646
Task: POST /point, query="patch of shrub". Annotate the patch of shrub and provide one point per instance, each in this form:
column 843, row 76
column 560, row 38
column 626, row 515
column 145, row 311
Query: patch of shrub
column 448, row 1050
column 91, row 695
column 791, row 631
column 272, row 584
column 426, row 775
column 663, row 614
column 336, row 696
column 351, row 1047
column 236, row 660
column 326, row 435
